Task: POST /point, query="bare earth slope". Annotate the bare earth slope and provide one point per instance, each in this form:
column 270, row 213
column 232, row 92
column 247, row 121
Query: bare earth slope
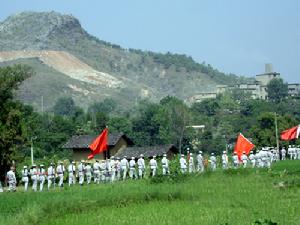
column 67, row 64
column 95, row 66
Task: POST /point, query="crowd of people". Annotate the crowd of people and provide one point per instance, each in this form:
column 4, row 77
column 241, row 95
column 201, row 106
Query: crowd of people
column 116, row 169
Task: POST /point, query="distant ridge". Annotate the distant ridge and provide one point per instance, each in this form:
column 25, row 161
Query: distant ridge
column 70, row 57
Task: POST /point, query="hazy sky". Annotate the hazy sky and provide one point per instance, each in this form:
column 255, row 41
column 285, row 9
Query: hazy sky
column 237, row 36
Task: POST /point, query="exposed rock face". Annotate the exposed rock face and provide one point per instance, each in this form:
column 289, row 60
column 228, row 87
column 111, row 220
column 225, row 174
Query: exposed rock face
column 72, row 62
column 35, row 31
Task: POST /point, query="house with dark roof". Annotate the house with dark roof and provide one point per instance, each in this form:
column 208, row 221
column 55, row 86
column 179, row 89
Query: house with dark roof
column 79, row 145
column 148, row 151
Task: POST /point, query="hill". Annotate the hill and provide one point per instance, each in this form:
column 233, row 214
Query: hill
column 233, row 197
column 59, row 42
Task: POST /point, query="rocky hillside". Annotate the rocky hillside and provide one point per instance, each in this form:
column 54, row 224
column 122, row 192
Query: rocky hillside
column 69, row 61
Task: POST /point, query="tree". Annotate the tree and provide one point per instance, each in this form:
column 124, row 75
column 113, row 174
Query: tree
column 64, row 106
column 99, row 121
column 173, row 118
column 144, row 125
column 120, row 125
column 277, row 90
column 107, row 106
column 207, row 107
column 12, row 134
column 263, row 132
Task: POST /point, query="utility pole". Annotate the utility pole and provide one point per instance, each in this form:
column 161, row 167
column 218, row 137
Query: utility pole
column 276, row 132
column 31, row 148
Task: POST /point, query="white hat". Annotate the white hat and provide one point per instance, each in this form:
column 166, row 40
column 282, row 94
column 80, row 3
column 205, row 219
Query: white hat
column 165, row 155
column 154, row 156
column 124, row 156
column 200, row 152
column 33, row 165
column 25, row 167
column 112, row 157
column 82, row 161
column 41, row 165
column 132, row 157
column 224, row 152
column 244, row 152
column 141, row 155
column 212, row 153
column 73, row 162
column 182, row 155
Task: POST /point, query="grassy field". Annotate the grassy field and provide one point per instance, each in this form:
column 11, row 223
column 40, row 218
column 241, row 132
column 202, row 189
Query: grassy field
column 222, row 197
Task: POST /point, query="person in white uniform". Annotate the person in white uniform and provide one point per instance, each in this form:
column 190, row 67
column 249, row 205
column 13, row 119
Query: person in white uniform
column 191, row 163
column 132, row 172
column 42, row 176
column 25, row 179
column 60, row 169
column 141, row 166
column 51, row 176
column 124, row 167
column 165, row 165
column 153, row 166
column 224, row 160
column 200, row 165
column 72, row 173
column 34, row 177
column 96, row 172
column 183, row 166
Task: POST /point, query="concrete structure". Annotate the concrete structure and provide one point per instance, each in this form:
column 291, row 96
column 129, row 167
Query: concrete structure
column 294, row 90
column 201, row 96
column 257, row 89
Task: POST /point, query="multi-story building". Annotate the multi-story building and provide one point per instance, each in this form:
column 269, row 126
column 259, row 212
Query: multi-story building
column 257, row 89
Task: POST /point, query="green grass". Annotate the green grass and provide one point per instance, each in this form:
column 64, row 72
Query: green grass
column 231, row 197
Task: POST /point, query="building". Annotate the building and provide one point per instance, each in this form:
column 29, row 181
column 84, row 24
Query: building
column 257, row 89
column 201, row 96
column 294, row 90
column 148, row 151
column 79, row 145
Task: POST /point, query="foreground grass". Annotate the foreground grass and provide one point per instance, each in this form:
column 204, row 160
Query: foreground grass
column 231, row 197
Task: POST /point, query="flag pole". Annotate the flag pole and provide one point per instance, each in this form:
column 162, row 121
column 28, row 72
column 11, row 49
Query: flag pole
column 276, row 132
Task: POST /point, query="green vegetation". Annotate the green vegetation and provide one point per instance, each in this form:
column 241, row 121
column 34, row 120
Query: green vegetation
column 158, row 74
column 146, row 123
column 277, row 90
column 12, row 124
column 233, row 197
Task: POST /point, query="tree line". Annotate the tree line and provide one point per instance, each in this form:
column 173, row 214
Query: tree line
column 147, row 123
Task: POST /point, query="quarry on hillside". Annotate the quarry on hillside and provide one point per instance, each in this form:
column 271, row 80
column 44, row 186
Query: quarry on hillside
column 67, row 64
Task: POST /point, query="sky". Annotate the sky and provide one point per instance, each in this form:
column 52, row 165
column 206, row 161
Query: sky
column 234, row 36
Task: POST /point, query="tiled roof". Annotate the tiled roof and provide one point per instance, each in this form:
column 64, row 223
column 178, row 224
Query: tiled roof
column 147, row 151
column 83, row 141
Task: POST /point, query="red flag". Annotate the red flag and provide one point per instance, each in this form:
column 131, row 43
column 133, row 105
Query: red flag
column 99, row 144
column 242, row 145
column 291, row 133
